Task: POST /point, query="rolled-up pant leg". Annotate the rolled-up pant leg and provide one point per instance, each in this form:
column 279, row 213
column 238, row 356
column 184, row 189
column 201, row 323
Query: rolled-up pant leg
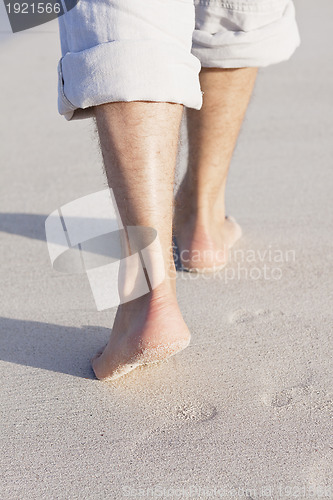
column 127, row 50
column 244, row 33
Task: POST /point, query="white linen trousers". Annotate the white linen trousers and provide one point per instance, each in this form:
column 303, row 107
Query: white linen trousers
column 153, row 50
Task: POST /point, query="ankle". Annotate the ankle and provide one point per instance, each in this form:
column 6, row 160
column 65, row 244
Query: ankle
column 152, row 302
column 203, row 220
column 198, row 211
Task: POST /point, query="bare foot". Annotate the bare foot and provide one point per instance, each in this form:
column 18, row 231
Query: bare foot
column 204, row 247
column 146, row 330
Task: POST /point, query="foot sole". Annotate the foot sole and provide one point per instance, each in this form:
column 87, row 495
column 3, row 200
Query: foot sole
column 212, row 269
column 147, row 356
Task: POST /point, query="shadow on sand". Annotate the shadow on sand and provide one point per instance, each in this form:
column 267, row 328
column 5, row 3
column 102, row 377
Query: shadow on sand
column 57, row 348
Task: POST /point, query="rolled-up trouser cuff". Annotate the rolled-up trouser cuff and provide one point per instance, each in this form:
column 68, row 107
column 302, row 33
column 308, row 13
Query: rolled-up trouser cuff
column 254, row 35
column 122, row 71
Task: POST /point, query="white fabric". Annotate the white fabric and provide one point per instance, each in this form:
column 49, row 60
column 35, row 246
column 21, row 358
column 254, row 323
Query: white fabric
column 130, row 50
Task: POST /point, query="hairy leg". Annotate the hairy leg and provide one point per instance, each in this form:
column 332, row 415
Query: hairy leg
column 203, row 233
column 139, row 145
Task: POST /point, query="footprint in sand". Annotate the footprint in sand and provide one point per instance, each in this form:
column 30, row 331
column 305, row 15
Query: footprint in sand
column 316, row 399
column 294, row 394
column 244, row 316
column 282, row 398
column 196, row 413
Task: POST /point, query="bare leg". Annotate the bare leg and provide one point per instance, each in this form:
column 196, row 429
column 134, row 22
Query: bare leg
column 139, row 145
column 203, row 233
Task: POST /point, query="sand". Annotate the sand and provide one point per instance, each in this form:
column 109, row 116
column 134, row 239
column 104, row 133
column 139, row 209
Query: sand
column 248, row 405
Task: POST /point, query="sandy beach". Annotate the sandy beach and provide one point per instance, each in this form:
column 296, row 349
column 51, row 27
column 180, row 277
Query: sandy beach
column 246, row 410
